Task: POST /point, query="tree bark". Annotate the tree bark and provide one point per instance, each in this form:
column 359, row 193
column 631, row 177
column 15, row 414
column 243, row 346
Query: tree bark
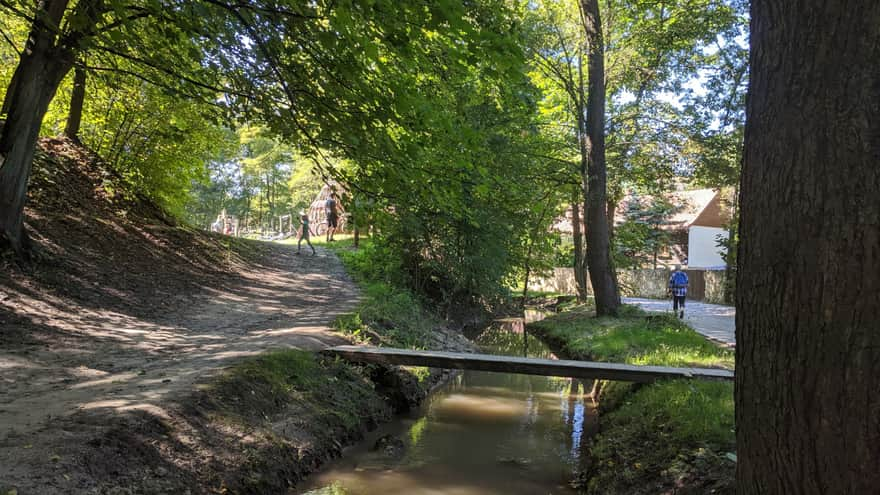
column 41, row 68
column 808, row 290
column 77, row 99
column 528, row 270
column 730, row 265
column 613, row 200
column 580, row 269
column 599, row 260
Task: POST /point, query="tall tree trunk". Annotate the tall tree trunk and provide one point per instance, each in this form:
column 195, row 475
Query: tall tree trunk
column 528, row 270
column 599, row 259
column 260, row 211
column 74, row 116
column 40, row 70
column 613, row 199
column 612, row 211
column 580, row 269
column 808, row 290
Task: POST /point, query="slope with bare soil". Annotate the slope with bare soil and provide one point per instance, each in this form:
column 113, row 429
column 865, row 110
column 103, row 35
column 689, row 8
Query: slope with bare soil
column 123, row 311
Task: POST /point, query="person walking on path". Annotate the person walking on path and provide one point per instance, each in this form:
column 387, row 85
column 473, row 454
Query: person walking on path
column 332, row 216
column 678, row 286
column 304, row 233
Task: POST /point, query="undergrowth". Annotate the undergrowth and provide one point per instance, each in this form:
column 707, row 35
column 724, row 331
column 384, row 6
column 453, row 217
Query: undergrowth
column 671, row 435
column 389, row 314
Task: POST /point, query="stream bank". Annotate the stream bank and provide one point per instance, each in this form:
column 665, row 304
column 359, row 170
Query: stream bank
column 674, row 436
column 261, row 427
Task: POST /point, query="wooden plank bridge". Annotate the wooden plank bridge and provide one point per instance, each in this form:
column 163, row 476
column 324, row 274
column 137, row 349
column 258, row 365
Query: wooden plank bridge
column 528, row 366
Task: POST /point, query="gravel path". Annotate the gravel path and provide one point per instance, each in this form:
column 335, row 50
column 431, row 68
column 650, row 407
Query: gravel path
column 715, row 321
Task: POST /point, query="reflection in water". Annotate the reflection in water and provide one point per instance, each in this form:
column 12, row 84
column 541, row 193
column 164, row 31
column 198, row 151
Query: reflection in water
column 485, row 433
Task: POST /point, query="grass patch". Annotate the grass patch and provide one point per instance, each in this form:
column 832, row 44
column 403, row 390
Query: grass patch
column 330, row 391
column 670, row 435
column 632, row 338
column 389, row 315
column 321, row 240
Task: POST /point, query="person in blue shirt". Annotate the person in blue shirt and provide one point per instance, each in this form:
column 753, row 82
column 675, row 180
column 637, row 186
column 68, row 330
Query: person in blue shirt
column 678, row 287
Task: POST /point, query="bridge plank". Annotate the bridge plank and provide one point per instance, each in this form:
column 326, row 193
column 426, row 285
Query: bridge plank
column 527, row 366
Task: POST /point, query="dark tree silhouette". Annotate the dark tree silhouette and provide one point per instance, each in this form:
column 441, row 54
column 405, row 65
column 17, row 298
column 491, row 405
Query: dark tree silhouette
column 808, row 318
column 599, row 261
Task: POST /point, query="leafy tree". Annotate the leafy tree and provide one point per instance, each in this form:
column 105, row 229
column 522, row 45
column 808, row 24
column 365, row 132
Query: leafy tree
column 642, row 236
column 304, row 184
column 267, row 163
column 649, row 50
column 718, row 122
column 220, row 190
column 331, row 75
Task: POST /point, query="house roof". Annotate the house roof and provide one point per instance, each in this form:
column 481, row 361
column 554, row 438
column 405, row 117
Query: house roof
column 700, row 207
column 696, row 206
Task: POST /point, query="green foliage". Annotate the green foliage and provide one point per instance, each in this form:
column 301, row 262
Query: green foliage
column 304, row 184
column 451, row 124
column 372, row 262
column 653, row 50
column 643, row 235
column 671, row 434
column 563, row 252
column 14, row 30
column 389, row 314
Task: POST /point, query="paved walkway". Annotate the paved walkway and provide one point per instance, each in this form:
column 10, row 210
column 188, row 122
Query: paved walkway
column 712, row 320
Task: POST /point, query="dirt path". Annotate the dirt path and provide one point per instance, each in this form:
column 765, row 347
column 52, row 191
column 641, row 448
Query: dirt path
column 75, row 358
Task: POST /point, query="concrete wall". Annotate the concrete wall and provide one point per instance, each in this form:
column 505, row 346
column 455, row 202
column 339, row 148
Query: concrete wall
column 703, row 250
column 561, row 281
column 643, row 283
column 633, row 283
column 714, row 286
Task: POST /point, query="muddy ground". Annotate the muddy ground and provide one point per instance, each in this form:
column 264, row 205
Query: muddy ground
column 115, row 336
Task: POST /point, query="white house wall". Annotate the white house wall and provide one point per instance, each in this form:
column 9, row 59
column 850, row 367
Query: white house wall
column 703, row 250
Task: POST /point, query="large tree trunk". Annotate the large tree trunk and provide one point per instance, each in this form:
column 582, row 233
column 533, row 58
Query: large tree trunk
column 599, row 260
column 580, row 268
column 808, row 286
column 77, row 98
column 36, row 79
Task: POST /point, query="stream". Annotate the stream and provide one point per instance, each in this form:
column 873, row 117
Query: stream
column 483, row 433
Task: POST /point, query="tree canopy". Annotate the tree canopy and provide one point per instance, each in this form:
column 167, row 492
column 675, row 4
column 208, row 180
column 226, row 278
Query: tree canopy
column 454, row 126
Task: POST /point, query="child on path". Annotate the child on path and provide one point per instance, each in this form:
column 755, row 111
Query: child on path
column 304, row 232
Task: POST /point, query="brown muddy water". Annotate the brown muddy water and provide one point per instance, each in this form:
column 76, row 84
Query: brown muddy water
column 484, row 433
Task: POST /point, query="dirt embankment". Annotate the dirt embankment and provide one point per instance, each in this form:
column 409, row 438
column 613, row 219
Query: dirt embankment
column 128, row 350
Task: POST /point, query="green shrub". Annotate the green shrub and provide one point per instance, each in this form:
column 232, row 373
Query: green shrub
column 389, row 312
